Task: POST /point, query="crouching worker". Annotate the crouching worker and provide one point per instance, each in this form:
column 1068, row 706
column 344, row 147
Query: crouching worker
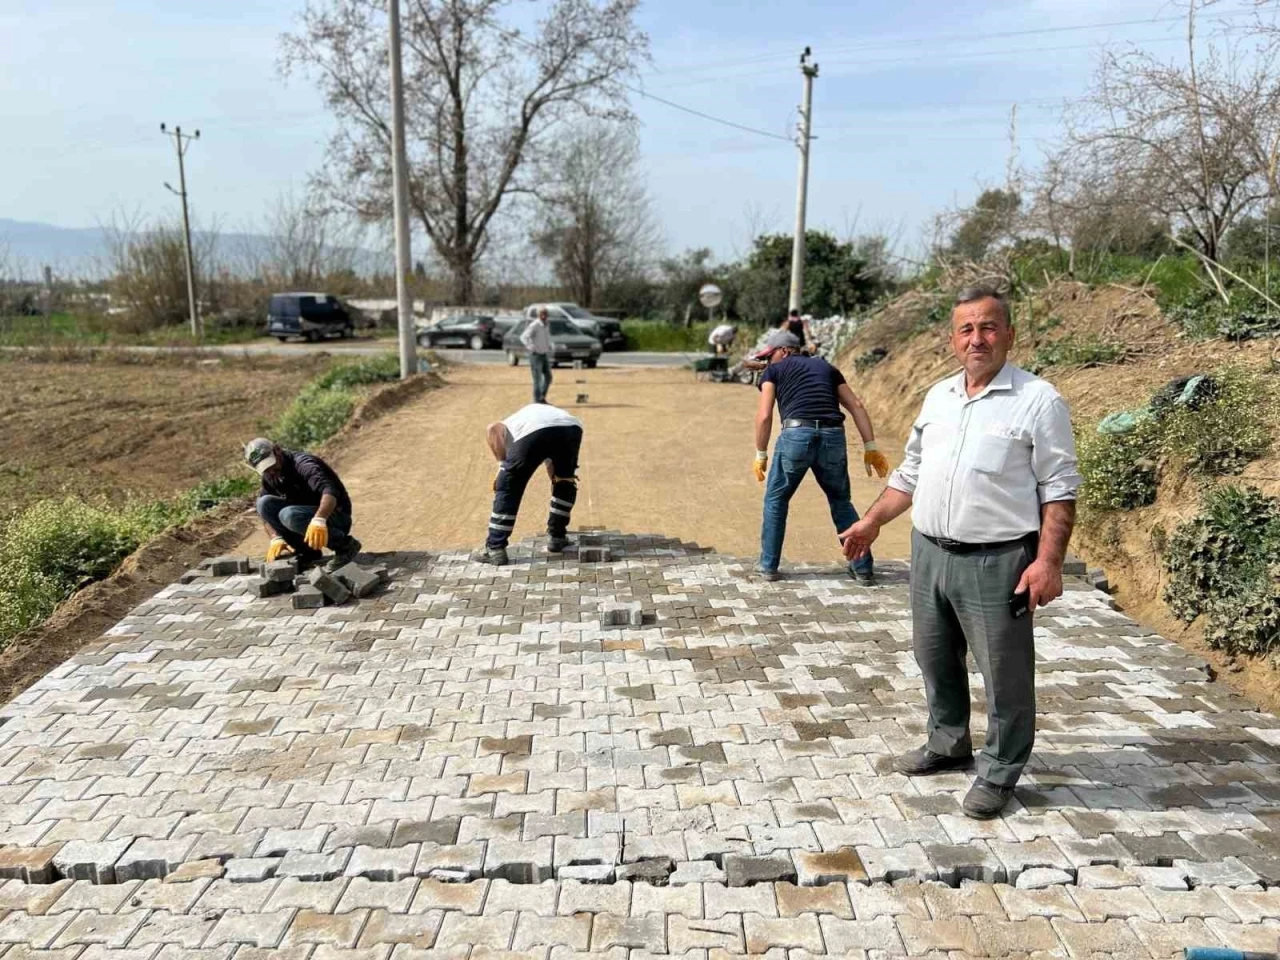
column 303, row 505
column 530, row 437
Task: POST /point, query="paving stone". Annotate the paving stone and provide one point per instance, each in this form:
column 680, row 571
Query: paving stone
column 1052, row 901
column 392, row 896
column 587, row 873
column 1006, row 938
column 830, row 899
column 334, row 590
column 954, row 863
column 314, row 866
column 256, row 929
column 382, row 864
column 520, row 861
column 971, row 899
column 31, row 864
column 907, row 862
column 146, row 858
column 648, row 870
column 252, row 869
column 384, row 929
column 436, row 895
column 848, row 937
column 741, row 871
column 646, row 932
column 1105, row 878
column 359, row 580
column 89, row 927
column 1229, row 872
column 952, row 933
column 696, row 871
column 96, row 862
column 815, row 869
column 307, row 597
column 196, row 870
column 724, row 934
column 335, row 930
column 1037, row 878
column 533, row 930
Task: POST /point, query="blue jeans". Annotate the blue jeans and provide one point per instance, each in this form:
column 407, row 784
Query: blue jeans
column 799, row 450
column 540, row 364
column 290, row 523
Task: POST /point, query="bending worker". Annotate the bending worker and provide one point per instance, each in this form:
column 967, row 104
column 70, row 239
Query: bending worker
column 809, row 393
column 303, row 505
column 991, row 477
column 536, row 434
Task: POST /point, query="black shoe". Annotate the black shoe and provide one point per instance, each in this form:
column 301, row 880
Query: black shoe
column 865, row 578
column 985, row 800
column 923, row 761
column 557, row 544
column 494, row 555
column 769, row 575
column 350, row 550
column 308, row 559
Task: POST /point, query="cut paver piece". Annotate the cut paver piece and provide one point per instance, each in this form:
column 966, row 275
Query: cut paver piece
column 96, row 862
column 357, row 579
column 281, row 570
column 334, row 590
column 742, row 871
column 307, row 597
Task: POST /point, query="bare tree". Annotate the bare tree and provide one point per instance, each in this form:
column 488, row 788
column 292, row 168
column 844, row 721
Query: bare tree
column 146, row 268
column 596, row 224
column 303, row 244
column 1190, row 142
column 481, row 101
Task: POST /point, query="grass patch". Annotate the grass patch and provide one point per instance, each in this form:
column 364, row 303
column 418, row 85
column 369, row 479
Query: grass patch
column 363, row 372
column 66, row 329
column 1204, row 315
column 656, row 336
column 1224, row 565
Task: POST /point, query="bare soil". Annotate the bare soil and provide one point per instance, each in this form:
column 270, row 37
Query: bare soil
column 661, row 454
column 119, row 426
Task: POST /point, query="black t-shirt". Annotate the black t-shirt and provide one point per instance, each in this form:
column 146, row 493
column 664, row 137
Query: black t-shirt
column 303, row 479
column 796, row 326
column 806, row 388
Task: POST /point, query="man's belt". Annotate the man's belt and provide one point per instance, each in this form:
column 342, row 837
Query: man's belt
column 814, row 424
column 956, row 546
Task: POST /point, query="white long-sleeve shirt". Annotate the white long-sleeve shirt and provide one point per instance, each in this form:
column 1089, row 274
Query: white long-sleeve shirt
column 536, row 338
column 979, row 468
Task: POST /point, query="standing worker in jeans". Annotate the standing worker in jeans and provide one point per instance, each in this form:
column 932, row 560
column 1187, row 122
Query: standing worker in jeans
column 809, row 393
column 537, row 341
column 303, row 505
column 991, row 477
column 536, row 434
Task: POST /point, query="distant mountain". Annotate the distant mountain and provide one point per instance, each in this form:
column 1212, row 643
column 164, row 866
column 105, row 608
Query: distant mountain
column 82, row 252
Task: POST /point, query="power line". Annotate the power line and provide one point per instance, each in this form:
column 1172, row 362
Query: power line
column 705, row 116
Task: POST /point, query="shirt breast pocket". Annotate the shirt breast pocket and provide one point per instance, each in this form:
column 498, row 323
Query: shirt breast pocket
column 999, row 449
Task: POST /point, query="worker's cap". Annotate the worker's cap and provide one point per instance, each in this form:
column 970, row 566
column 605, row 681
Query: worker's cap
column 782, row 338
column 260, row 453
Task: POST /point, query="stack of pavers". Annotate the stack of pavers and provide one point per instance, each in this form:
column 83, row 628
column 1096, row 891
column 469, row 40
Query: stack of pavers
column 317, row 587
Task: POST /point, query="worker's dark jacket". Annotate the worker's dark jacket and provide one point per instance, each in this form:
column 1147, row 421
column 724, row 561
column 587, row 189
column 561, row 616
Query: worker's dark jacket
column 303, row 479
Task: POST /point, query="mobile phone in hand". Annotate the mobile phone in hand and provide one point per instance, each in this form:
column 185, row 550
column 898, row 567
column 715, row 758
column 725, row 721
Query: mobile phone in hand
column 1019, row 603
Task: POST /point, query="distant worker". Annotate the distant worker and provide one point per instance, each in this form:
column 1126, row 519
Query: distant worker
column 722, row 337
column 537, row 341
column 303, row 505
column 809, row 393
column 536, row 434
column 991, row 478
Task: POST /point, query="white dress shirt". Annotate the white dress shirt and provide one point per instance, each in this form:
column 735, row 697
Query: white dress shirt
column 978, row 468
column 537, row 416
column 535, row 337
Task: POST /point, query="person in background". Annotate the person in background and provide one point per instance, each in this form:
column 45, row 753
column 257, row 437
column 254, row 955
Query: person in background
column 303, row 505
column 809, row 393
column 536, row 338
column 722, row 337
column 990, row 476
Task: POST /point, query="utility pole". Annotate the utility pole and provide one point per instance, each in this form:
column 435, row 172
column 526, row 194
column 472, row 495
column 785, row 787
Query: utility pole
column 182, row 141
column 400, row 188
column 802, row 192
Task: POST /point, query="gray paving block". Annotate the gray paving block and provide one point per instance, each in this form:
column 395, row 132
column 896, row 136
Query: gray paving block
column 314, row 866
column 280, row 571
column 252, row 869
column 271, row 588
column 148, row 858
column 307, row 597
column 1040, row 878
column 227, row 566
column 1227, row 872
column 956, row 863
column 628, row 614
column 655, row 870
column 743, row 871
column 587, row 873
column 194, row 576
column 519, row 861
column 95, row 862
column 594, row 554
column 357, row 579
column 334, row 590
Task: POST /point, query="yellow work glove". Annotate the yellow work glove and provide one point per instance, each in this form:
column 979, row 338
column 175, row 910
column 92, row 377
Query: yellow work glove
column 873, row 459
column 276, row 547
column 760, row 464
column 317, row 535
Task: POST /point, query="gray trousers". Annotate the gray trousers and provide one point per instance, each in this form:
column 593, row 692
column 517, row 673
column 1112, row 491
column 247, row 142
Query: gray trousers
column 960, row 601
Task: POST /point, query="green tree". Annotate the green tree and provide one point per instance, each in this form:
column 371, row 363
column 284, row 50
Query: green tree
column 838, row 277
column 986, row 223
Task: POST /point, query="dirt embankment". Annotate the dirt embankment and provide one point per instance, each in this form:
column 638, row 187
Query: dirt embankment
column 1120, row 543
column 81, row 620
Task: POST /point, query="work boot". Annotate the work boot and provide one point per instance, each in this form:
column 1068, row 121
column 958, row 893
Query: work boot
column 865, row 578
column 494, row 555
column 922, row 761
column 350, row 550
column 769, row 575
column 985, row 800
column 557, row 544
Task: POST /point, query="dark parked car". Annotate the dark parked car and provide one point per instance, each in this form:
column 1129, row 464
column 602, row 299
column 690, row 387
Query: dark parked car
column 461, row 330
column 312, row 316
column 569, row 344
column 607, row 331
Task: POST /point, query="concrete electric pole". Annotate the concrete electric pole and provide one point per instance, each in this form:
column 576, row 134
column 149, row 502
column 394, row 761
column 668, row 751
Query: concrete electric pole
column 400, row 187
column 182, row 141
column 802, row 192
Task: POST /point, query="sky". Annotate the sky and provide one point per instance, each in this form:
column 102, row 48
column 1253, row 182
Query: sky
column 911, row 108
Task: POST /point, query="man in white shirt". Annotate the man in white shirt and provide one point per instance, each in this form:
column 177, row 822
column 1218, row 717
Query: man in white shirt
column 990, row 475
column 537, row 341
column 536, row 434
column 722, row 337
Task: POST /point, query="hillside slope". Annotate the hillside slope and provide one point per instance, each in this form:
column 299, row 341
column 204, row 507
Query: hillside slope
column 913, row 330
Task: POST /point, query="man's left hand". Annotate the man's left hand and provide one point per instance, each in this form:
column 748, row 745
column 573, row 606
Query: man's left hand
column 317, row 535
column 1043, row 580
column 875, row 460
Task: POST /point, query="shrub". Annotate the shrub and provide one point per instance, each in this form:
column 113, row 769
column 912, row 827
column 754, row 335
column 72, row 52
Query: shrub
column 52, row 547
column 1204, row 316
column 1224, row 565
column 1120, row 469
column 1221, row 435
column 1072, row 351
column 656, row 335
column 313, row 417
column 347, row 374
